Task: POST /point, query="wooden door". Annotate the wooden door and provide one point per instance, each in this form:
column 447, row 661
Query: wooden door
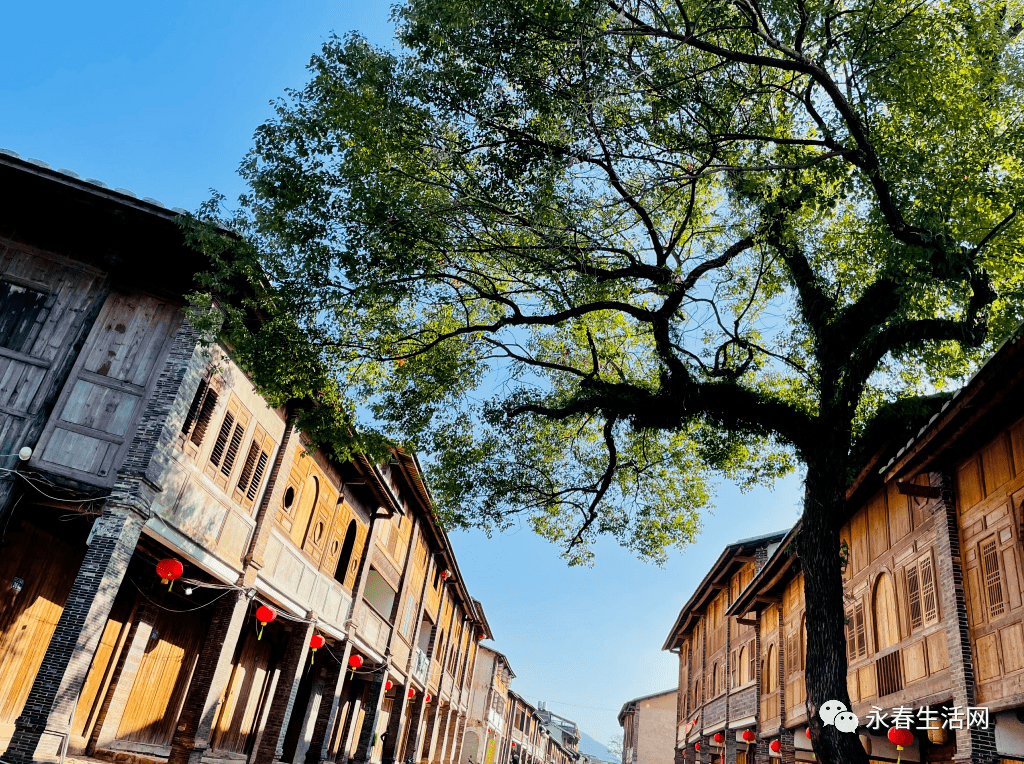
column 250, row 678
column 887, row 631
column 112, row 641
column 162, row 679
column 48, row 568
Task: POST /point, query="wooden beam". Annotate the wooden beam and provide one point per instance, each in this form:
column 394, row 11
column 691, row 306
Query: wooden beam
column 769, row 600
column 747, row 621
column 913, row 489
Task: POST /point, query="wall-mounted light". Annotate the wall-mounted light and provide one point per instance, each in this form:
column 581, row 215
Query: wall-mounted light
column 154, row 635
column 188, row 591
column 17, row 584
column 25, row 454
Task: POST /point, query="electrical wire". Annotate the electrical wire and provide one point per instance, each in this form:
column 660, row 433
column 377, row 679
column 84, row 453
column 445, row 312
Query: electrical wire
column 173, row 610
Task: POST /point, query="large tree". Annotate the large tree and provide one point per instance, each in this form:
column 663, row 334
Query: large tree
column 590, row 253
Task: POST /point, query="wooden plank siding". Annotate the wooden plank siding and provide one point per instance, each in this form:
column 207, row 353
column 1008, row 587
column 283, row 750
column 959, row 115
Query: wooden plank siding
column 162, row 679
column 245, row 695
column 29, row 617
column 990, row 504
column 89, row 431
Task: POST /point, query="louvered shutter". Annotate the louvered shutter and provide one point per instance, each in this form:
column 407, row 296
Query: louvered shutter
column 202, row 424
column 253, row 468
column 224, row 454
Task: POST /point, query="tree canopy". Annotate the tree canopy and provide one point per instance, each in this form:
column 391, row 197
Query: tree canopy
column 589, row 254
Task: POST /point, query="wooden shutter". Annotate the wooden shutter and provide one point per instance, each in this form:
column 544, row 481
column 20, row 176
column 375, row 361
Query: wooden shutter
column 851, row 637
column 914, row 597
column 862, row 642
column 193, row 412
column 993, row 578
column 203, row 418
column 253, row 468
column 929, row 601
column 224, row 454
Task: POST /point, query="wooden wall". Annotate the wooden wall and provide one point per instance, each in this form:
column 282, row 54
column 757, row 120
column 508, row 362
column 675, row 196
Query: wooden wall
column 48, row 567
column 990, row 501
column 162, row 679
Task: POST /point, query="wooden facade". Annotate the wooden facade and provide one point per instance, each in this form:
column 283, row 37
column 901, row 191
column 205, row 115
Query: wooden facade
column 934, row 592
column 131, row 422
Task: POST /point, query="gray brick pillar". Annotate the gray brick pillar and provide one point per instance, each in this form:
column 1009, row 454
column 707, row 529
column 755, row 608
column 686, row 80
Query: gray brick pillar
column 210, row 677
column 399, row 713
column 974, row 745
column 54, row 694
column 116, row 698
column 327, row 714
column 430, row 732
column 371, row 716
column 296, row 655
column 787, row 746
column 345, row 744
column 441, row 746
column 417, row 719
column 460, row 735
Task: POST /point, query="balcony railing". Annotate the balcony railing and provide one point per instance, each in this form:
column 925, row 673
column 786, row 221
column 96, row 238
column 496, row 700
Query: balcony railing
column 420, row 665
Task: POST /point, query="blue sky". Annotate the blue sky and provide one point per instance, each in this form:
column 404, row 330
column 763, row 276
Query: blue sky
column 162, row 99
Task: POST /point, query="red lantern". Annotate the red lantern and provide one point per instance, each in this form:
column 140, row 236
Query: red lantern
column 776, row 746
column 264, row 615
column 748, row 736
column 354, row 662
column 316, row 642
column 445, row 575
column 480, row 635
column 901, row 738
column 412, row 694
column 427, row 699
column 513, row 745
column 388, row 685
column 808, row 733
column 696, row 746
column 169, row 571
column 717, row 738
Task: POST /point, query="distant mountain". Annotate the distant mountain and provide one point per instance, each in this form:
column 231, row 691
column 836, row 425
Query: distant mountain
column 590, row 746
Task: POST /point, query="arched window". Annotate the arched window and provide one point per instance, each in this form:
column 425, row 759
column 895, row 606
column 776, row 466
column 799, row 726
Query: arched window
column 742, row 669
column 772, row 680
column 341, row 571
column 887, row 631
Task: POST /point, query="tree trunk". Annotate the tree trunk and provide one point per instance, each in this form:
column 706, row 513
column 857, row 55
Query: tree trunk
column 826, row 667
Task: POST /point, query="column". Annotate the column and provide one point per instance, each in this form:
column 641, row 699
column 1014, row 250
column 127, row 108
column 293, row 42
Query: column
column 417, row 720
column 371, row 715
column 971, row 744
column 399, row 710
column 460, row 735
column 327, row 716
column 51, row 701
column 430, row 733
column 358, row 687
column 270, row 747
column 210, row 677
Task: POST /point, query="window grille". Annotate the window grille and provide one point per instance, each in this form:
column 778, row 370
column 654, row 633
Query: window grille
column 993, row 578
column 889, row 674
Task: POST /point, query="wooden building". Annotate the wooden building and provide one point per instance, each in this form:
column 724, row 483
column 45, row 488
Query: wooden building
column 931, row 550
column 146, row 448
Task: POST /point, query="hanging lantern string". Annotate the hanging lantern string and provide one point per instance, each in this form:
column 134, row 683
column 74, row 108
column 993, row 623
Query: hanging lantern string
column 169, row 609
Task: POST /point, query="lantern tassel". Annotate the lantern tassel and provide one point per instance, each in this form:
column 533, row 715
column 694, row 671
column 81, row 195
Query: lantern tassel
column 259, row 632
column 899, row 755
column 311, row 656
